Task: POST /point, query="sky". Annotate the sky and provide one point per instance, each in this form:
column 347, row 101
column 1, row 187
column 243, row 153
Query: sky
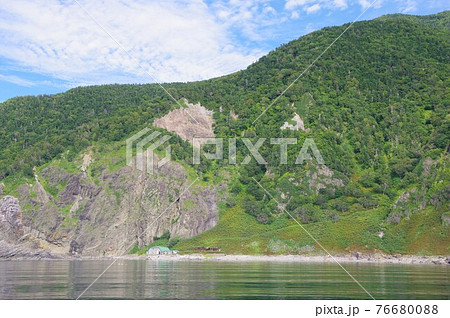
column 50, row 46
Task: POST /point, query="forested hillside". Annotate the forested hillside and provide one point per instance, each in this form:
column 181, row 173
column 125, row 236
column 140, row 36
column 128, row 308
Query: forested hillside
column 376, row 104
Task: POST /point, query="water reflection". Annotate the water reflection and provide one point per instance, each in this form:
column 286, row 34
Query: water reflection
column 139, row 279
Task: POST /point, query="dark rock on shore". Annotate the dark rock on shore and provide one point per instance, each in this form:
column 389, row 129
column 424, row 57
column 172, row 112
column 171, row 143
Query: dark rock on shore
column 23, row 251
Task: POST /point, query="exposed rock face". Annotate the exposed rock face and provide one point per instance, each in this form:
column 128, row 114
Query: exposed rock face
column 87, row 159
column 75, row 248
column 193, row 121
column 10, row 218
column 122, row 209
column 298, row 124
column 445, row 220
column 26, row 251
column 404, row 197
column 416, row 199
column 323, row 178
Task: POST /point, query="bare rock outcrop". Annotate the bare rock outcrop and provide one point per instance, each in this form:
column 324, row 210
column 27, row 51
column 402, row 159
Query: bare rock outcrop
column 322, row 178
column 10, row 218
column 296, row 125
column 193, row 121
column 24, row 251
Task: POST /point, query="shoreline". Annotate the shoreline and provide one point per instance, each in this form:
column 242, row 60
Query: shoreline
column 356, row 258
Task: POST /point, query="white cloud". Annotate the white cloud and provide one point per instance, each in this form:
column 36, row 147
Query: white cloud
column 174, row 41
column 16, row 80
column 312, row 9
column 375, row 4
column 247, row 17
column 407, row 6
column 364, row 3
column 269, row 10
column 292, row 4
column 295, row 15
column 312, row 6
column 341, row 4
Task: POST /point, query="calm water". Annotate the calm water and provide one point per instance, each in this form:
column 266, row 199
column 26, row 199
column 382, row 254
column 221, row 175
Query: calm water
column 140, row 279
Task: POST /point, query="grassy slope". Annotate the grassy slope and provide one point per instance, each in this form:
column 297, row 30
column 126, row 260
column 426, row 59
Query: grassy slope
column 240, row 233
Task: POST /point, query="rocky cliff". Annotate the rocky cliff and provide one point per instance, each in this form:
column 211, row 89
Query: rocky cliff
column 72, row 213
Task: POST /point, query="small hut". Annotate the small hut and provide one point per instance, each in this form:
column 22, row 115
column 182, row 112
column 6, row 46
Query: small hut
column 159, row 250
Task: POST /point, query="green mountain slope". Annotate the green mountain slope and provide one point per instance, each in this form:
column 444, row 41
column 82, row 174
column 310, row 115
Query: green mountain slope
column 376, row 104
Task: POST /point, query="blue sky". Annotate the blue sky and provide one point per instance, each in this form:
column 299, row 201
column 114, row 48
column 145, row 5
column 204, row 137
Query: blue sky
column 50, row 46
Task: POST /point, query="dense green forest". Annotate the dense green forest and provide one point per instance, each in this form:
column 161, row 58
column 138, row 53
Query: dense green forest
column 376, row 104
